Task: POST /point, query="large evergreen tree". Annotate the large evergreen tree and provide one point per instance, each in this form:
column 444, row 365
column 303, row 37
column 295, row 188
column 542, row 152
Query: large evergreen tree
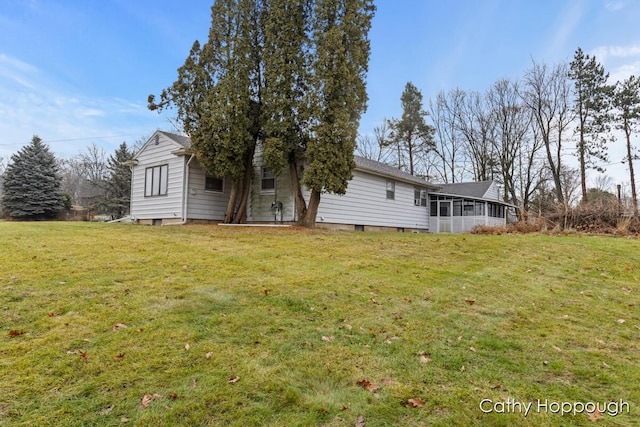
column 591, row 107
column 32, row 183
column 411, row 133
column 217, row 96
column 286, row 91
column 339, row 96
column 117, row 186
column 626, row 100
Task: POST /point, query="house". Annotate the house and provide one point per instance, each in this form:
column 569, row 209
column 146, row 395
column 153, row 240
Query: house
column 168, row 186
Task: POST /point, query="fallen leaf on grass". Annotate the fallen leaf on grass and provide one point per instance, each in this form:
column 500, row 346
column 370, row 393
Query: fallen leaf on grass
column 106, row 410
column 327, row 339
column 119, row 326
column 52, row 314
column 472, row 349
column 84, row 355
column 15, row 333
column 424, row 358
column 233, row 380
column 470, row 301
column 208, row 355
column 148, row 398
column 194, row 383
column 118, row 357
column 595, row 416
column 388, row 381
column 620, row 321
column 415, row 403
column 187, row 347
column 367, row 385
column 360, row 421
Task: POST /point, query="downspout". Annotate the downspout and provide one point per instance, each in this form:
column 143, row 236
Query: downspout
column 185, row 193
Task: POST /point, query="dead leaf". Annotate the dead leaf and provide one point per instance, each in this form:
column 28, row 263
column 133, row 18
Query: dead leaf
column 208, row 355
column 52, row 314
column 173, row 396
column 470, row 301
column 84, row 355
column 407, row 299
column 424, row 358
column 388, row 381
column 367, row 385
column 106, row 410
column 415, row 403
column 118, row 357
column 556, row 348
column 148, row 398
column 15, row 333
column 595, row 416
column 327, row 339
column 472, row 349
column 119, row 326
column 194, row 383
column 496, row 387
column 620, row 321
column 360, row 421
column 187, row 346
column 462, row 368
column 265, row 291
column 233, row 380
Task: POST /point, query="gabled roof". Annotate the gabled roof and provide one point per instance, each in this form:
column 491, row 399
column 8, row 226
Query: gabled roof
column 476, row 190
column 383, row 169
column 180, row 139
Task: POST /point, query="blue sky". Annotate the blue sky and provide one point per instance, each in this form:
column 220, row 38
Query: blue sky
column 77, row 72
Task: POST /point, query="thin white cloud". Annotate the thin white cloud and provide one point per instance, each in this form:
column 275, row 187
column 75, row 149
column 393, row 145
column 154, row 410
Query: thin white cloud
column 615, row 6
column 620, row 61
column 567, row 24
column 602, row 53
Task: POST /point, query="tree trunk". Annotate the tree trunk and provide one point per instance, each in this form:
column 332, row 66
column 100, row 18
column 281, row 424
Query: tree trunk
column 309, row 219
column 583, row 170
column 634, row 196
column 231, row 204
column 301, row 204
column 241, row 214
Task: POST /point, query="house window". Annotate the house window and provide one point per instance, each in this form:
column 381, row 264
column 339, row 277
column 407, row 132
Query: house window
column 391, row 190
column 468, row 207
column 268, row 180
column 212, row 183
column 419, row 197
column 155, row 181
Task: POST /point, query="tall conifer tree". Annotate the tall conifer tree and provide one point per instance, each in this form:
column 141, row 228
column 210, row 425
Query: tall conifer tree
column 592, row 95
column 32, row 183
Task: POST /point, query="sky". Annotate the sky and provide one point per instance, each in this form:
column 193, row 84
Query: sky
column 78, row 72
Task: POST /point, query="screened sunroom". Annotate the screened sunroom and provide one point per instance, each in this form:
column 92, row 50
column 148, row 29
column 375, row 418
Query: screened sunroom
column 456, row 214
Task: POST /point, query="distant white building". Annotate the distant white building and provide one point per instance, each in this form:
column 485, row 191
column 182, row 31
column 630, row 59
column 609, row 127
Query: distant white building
column 168, row 186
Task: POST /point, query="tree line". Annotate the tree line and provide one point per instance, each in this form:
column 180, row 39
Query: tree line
column 517, row 133
column 35, row 185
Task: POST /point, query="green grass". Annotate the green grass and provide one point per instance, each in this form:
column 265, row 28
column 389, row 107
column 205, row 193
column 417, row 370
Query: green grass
column 300, row 317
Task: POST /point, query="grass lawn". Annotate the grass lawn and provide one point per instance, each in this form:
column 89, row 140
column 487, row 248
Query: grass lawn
column 112, row 324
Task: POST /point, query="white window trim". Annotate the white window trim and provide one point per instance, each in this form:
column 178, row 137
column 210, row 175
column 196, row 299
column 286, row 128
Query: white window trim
column 156, row 181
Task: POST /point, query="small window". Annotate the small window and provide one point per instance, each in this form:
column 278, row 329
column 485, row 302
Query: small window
column 468, row 208
column 419, row 197
column 156, row 181
column 213, row 183
column 391, row 190
column 268, row 180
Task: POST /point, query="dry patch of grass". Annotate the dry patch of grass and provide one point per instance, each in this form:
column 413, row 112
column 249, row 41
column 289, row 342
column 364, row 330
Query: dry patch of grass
column 205, row 325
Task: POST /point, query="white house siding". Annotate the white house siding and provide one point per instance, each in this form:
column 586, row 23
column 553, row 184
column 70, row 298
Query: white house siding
column 202, row 204
column 365, row 203
column 158, row 207
column 493, row 192
column 260, row 200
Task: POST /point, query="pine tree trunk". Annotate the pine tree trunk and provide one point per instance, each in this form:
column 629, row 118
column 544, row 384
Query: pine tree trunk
column 634, row 196
column 583, row 171
column 309, row 219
